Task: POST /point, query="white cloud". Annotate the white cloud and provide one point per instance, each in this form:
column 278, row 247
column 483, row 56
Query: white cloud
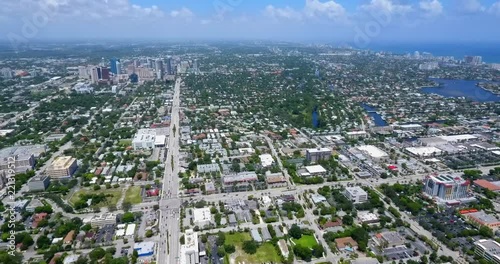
column 495, row 8
column 386, row 6
column 431, row 7
column 205, row 21
column 184, row 13
column 278, row 13
column 331, row 9
column 470, row 6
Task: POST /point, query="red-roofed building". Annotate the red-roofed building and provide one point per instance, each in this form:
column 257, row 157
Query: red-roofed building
column 37, row 218
column 487, row 185
column 153, row 192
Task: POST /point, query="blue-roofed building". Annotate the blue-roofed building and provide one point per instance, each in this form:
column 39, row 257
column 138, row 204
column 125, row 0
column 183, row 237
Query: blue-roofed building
column 144, row 248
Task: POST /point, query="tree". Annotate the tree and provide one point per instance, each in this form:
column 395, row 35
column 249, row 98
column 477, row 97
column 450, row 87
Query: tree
column 221, row 251
column 347, row 220
column 317, row 251
column 302, row 252
column 182, row 240
column 43, row 242
column 97, row 254
column 221, row 238
column 250, row 247
column 128, row 217
column 126, row 206
column 149, row 233
column 229, row 249
column 486, row 231
column 295, row 231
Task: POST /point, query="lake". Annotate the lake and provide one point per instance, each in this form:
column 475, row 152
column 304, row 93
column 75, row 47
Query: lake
column 462, row 88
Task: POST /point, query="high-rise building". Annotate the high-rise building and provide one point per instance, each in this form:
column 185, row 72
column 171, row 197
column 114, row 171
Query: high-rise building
column 159, row 68
column 168, row 66
column 83, row 72
column 473, row 60
column 6, row 73
column 130, row 69
column 150, row 63
column 94, row 75
column 118, row 68
column 446, row 187
column 114, row 65
column 195, row 66
column 105, row 74
column 137, row 63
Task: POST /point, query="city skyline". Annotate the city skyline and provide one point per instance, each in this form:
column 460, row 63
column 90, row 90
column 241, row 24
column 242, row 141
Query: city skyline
column 358, row 23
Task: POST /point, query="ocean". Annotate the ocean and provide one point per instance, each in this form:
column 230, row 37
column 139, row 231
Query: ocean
column 489, row 51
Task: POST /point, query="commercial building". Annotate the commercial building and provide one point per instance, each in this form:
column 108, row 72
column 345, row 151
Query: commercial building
column 373, row 152
column 481, row 218
column 317, row 154
column 446, row 187
column 488, row 249
column 388, row 239
column 356, row 194
column 159, row 68
column 266, row 160
column 202, row 217
column 208, row 168
column 275, row 180
column 144, row 248
column 101, row 220
column 424, row 151
column 492, row 186
column 83, row 88
column 368, row 218
column 114, row 64
column 473, row 60
column 130, row 231
column 168, row 66
column 62, row 167
column 144, row 139
column 190, row 249
column 24, row 157
column 241, row 177
column 315, row 170
column 38, row 183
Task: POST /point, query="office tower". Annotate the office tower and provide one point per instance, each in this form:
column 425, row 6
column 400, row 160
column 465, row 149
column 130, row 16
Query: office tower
column 118, row 68
column 446, row 187
column 6, row 73
column 137, row 63
column 105, row 74
column 195, row 66
column 150, row 63
column 130, row 69
column 168, row 66
column 114, row 65
column 473, row 60
column 159, row 68
column 94, row 75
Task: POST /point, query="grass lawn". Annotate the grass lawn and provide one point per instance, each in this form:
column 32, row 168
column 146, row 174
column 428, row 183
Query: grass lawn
column 306, row 241
column 265, row 253
column 133, row 195
column 237, row 239
column 117, row 193
column 125, row 142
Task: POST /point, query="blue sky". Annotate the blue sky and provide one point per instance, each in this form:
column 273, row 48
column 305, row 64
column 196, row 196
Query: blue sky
column 343, row 21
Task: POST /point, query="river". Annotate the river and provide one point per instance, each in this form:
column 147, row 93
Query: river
column 461, row 88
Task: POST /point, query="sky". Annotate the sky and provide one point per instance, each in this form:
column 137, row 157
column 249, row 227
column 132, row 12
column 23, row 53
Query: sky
column 354, row 22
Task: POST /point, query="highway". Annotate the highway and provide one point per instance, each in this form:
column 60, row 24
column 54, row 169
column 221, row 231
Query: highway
column 168, row 249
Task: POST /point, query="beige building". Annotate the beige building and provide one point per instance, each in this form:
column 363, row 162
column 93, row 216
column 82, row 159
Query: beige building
column 62, row 167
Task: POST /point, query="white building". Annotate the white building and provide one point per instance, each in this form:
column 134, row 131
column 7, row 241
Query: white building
column 315, row 170
column 373, row 152
column 202, row 217
column 190, row 250
column 488, row 249
column 101, row 220
column 83, row 88
column 356, row 194
column 266, row 160
column 130, row 231
column 316, row 154
column 144, row 139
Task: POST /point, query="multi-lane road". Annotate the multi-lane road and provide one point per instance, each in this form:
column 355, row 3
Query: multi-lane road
column 168, row 249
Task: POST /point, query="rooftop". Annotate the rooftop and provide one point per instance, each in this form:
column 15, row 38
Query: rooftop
column 62, row 162
column 315, row 169
column 490, row 246
column 373, row 151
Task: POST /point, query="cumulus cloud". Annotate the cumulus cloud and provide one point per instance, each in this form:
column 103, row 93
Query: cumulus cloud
column 470, row 6
column 312, row 9
column 495, row 8
column 183, row 13
column 278, row 13
column 431, row 7
column 331, row 9
column 386, row 6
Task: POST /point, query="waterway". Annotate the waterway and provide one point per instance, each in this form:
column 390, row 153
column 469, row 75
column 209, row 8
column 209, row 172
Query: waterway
column 461, row 88
column 372, row 112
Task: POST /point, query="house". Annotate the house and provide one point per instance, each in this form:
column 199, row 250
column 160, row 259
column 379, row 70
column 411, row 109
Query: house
column 283, row 248
column 255, row 235
column 265, row 234
column 232, row 220
column 37, row 218
column 68, row 239
column 346, row 243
